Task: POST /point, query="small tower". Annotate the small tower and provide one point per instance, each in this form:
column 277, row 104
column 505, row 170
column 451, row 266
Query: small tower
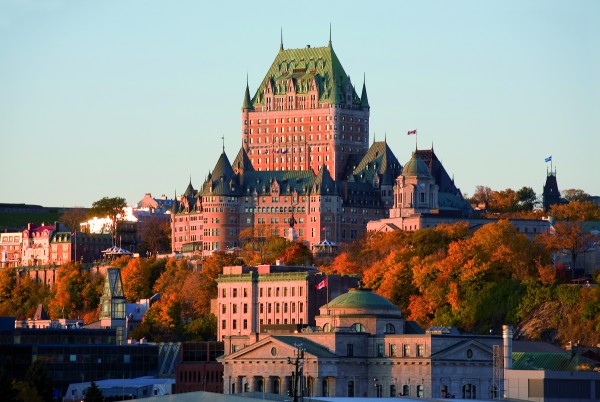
column 550, row 195
column 113, row 303
column 416, row 190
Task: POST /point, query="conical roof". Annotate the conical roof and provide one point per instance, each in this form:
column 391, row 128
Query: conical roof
column 189, row 191
column 364, row 100
column 223, row 168
column 247, row 104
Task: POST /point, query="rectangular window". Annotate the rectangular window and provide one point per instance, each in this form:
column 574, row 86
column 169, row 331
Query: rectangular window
column 234, row 293
column 392, row 350
column 224, row 292
column 245, row 308
column 224, row 308
column 234, row 309
column 234, row 324
column 380, row 350
column 245, row 324
column 350, row 350
column 223, row 324
column 420, row 350
column 406, row 350
column 245, row 292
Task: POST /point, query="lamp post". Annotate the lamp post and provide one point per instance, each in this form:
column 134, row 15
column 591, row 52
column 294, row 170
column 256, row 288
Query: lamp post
column 298, row 362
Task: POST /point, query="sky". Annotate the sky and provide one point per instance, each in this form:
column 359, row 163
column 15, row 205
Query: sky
column 122, row 98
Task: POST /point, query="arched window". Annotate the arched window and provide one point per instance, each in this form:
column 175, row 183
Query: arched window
column 405, row 390
column 327, row 327
column 390, row 329
column 469, row 391
column 358, row 327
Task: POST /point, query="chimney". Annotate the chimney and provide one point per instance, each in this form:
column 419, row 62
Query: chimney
column 507, row 335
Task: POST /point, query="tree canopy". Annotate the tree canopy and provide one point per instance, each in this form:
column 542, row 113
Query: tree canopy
column 111, row 208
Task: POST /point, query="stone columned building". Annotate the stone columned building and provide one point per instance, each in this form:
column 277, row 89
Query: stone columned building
column 361, row 346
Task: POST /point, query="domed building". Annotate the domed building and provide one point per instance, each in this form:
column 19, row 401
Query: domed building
column 361, row 346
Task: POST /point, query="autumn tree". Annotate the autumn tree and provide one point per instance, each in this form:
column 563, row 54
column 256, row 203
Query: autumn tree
column 504, row 201
column 77, row 291
column 568, row 236
column 111, row 208
column 482, row 195
column 576, row 211
column 139, row 276
column 155, row 232
column 297, row 253
column 73, row 217
column 573, row 194
column 262, row 245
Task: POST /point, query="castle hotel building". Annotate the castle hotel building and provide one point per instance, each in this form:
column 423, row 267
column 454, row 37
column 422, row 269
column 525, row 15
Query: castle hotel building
column 305, row 154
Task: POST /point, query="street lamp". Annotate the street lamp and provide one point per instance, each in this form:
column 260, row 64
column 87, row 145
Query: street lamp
column 298, row 362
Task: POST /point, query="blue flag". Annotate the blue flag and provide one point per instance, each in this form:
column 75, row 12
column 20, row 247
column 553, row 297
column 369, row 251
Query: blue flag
column 549, row 159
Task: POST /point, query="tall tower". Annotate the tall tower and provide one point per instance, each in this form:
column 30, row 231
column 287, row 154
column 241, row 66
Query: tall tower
column 551, row 195
column 305, row 114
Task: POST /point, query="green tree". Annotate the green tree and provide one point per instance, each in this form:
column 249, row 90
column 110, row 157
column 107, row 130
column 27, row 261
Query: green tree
column 93, row 393
column 9, row 394
column 527, row 199
column 111, row 208
column 37, row 377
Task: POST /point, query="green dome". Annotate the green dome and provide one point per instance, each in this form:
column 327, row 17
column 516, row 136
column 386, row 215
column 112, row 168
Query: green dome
column 415, row 167
column 363, row 299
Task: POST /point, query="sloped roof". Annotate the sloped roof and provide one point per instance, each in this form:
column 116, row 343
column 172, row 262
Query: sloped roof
column 379, row 159
column 302, row 66
column 562, row 361
column 242, row 162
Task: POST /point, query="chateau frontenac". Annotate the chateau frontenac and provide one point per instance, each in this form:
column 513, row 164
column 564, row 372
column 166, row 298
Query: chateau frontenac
column 305, row 169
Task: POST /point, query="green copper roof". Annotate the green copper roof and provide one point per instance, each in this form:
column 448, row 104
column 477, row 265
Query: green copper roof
column 303, row 66
column 561, row 361
column 364, row 100
column 415, row 167
column 364, row 299
column 247, row 104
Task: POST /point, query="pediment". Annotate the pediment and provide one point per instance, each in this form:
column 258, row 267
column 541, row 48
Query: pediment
column 465, row 350
column 273, row 348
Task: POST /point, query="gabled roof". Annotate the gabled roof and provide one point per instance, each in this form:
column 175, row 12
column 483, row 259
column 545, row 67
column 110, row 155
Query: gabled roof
column 304, row 67
column 311, row 347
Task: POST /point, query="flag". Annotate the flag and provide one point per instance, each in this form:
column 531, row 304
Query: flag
column 412, row 132
column 548, row 159
column 322, row 284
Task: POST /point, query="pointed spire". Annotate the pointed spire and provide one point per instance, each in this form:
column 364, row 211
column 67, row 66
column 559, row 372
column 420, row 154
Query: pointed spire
column 385, row 137
column 364, row 99
column 223, row 139
column 281, row 39
column 247, row 104
column 330, row 34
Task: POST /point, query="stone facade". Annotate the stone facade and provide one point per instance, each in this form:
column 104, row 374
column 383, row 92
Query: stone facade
column 361, row 346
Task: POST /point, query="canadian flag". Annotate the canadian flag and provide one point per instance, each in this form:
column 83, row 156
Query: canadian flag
column 412, row 132
column 322, row 284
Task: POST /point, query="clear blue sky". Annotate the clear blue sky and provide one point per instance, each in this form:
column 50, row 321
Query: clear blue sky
column 120, row 98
